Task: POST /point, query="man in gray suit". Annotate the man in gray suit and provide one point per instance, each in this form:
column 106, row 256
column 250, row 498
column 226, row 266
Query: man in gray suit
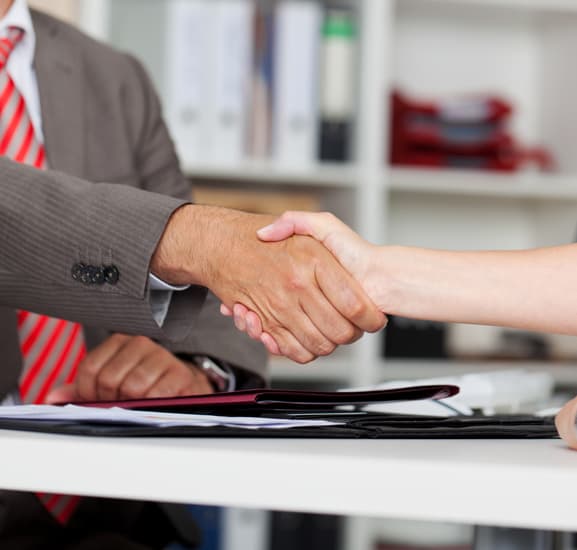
column 87, row 252
column 100, row 120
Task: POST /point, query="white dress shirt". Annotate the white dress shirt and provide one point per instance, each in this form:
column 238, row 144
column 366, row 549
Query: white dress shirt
column 20, row 67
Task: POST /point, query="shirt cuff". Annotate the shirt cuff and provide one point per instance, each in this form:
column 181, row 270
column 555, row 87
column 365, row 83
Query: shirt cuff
column 160, row 297
column 158, row 284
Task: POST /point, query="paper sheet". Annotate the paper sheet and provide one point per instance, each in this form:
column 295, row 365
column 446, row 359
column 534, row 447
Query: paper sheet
column 116, row 415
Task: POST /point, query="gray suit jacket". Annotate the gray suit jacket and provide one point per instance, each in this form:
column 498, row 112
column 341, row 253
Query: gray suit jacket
column 102, row 123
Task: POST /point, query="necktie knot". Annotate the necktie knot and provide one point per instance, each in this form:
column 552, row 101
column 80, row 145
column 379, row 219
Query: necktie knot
column 7, row 44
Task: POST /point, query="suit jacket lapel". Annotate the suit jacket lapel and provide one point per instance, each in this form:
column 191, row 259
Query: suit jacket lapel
column 60, row 85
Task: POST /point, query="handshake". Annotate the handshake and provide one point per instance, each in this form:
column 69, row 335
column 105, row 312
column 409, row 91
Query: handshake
column 356, row 256
column 305, row 283
column 300, row 284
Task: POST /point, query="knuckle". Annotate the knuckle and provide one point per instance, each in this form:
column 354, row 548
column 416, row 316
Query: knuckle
column 356, row 309
column 107, row 383
column 303, row 357
column 296, row 354
column 132, row 388
column 88, row 368
column 325, row 347
column 296, row 282
column 346, row 334
column 379, row 325
column 140, row 340
column 167, row 389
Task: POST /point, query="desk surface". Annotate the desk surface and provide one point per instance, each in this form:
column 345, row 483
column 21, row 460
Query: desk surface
column 494, row 482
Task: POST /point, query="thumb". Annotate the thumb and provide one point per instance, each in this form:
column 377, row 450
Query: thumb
column 317, row 225
column 62, row 394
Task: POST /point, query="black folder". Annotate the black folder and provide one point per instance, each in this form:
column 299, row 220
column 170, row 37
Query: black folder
column 342, row 407
column 354, row 426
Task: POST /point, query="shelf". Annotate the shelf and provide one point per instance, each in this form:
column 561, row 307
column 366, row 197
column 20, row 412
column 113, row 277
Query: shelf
column 564, row 374
column 322, row 175
column 337, row 370
column 334, row 370
column 402, row 180
column 483, row 184
column 547, row 6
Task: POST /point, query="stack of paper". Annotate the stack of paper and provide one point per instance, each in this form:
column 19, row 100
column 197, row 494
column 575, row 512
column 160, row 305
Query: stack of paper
column 116, row 415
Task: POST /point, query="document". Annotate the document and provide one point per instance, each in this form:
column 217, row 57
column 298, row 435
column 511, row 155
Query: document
column 117, row 415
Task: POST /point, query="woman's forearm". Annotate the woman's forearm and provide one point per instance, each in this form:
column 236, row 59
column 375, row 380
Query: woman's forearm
column 531, row 289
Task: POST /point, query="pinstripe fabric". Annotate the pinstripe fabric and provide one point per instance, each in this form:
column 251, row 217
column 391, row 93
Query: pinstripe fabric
column 51, row 348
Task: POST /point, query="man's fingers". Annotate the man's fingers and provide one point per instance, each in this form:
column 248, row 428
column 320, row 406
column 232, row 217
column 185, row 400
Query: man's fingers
column 245, row 320
column 62, row 394
column 270, row 343
column 239, row 312
column 329, row 321
column 143, row 376
column 255, row 331
column 112, row 375
column 291, row 347
column 180, row 380
column 225, row 310
column 348, row 298
column 94, row 362
column 253, row 325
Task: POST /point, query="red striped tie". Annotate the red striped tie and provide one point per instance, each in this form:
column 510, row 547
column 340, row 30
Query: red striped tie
column 51, row 348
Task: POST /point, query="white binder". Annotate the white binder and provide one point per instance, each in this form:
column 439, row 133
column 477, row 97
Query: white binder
column 230, row 77
column 188, row 41
column 296, row 56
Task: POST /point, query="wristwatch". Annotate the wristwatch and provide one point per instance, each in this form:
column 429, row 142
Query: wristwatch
column 221, row 377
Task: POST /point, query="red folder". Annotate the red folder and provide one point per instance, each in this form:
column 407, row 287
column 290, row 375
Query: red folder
column 278, row 399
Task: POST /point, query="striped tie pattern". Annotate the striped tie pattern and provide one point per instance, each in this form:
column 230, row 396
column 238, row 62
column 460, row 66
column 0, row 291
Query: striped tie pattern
column 51, row 348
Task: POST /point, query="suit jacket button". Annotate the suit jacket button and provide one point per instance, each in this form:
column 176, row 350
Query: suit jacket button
column 77, row 270
column 111, row 274
column 86, row 274
column 96, row 275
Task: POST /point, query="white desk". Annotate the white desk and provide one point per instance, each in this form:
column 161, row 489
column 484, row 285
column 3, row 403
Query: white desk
column 492, row 482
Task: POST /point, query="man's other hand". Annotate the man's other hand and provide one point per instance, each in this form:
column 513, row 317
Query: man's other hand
column 131, row 367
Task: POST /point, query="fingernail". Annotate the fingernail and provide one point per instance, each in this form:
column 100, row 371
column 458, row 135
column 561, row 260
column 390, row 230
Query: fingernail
column 264, row 230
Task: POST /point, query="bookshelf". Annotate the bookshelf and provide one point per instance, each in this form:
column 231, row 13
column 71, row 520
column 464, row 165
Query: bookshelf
column 505, row 46
column 522, row 49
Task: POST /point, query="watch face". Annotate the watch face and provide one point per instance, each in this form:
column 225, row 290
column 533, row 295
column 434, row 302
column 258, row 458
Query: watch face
column 217, row 376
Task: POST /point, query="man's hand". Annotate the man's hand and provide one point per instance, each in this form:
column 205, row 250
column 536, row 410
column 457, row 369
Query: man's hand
column 354, row 253
column 130, row 367
column 306, row 301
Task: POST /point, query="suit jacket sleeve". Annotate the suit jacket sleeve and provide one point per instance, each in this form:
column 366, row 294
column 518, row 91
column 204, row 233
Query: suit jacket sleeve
column 50, row 221
column 159, row 171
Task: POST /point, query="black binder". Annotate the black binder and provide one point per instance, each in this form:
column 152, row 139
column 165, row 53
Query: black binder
column 354, row 426
column 346, row 408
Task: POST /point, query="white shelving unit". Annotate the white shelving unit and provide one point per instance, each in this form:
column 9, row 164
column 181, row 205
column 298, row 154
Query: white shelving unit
column 523, row 49
column 325, row 175
column 518, row 48
column 463, row 183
